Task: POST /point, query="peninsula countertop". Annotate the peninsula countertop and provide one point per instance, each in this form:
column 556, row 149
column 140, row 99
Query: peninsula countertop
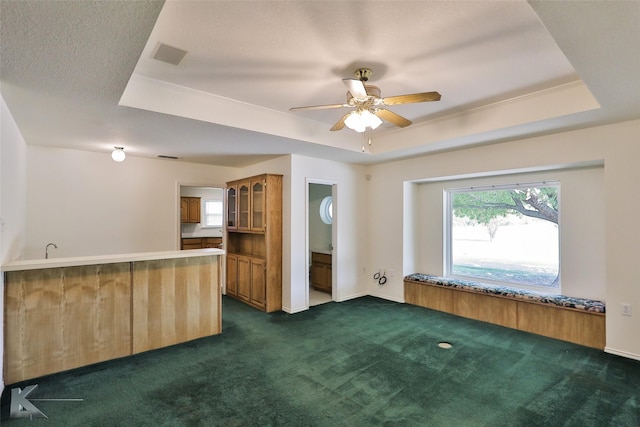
column 36, row 264
column 64, row 313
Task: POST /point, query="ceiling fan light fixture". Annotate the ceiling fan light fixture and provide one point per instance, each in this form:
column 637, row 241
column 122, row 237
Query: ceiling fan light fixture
column 359, row 120
column 370, row 109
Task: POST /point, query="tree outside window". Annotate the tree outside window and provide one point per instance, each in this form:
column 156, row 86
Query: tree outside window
column 508, row 234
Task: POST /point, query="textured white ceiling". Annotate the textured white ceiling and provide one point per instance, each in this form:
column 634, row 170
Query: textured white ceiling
column 72, row 71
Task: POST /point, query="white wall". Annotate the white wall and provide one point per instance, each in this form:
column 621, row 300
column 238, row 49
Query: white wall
column 350, row 223
column 622, row 175
column 13, row 203
column 618, row 146
column 90, row 205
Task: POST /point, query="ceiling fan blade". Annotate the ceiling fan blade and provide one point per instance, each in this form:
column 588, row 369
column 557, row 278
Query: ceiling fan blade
column 356, row 87
column 392, row 117
column 319, row 107
column 412, row 98
column 340, row 123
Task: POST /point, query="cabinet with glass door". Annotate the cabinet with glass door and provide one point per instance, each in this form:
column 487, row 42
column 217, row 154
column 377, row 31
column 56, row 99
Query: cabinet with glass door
column 232, row 207
column 254, row 241
column 243, row 206
column 257, row 205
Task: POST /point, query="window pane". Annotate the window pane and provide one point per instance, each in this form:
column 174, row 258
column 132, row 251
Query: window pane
column 213, row 213
column 326, row 210
column 507, row 235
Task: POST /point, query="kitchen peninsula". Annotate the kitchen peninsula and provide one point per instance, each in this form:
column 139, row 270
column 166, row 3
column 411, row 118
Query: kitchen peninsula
column 65, row 313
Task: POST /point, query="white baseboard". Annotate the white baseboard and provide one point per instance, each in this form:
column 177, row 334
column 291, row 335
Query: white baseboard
column 352, row 296
column 386, row 297
column 622, row 353
column 290, row 310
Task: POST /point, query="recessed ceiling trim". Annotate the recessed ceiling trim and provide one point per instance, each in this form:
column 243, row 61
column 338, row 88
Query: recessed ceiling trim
column 546, row 104
column 167, row 98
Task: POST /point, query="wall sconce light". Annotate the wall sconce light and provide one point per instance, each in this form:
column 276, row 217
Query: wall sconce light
column 118, row 154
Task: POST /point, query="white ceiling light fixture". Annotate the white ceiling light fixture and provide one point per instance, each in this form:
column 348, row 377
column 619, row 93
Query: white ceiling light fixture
column 118, row 154
column 360, row 119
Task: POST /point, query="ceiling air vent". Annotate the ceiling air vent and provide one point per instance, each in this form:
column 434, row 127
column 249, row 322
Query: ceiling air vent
column 169, row 54
column 162, row 156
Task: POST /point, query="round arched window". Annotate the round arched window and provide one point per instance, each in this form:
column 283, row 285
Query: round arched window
column 326, row 210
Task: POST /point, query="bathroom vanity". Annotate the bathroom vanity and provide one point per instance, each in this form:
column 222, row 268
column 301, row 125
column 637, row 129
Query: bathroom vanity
column 321, row 271
column 65, row 313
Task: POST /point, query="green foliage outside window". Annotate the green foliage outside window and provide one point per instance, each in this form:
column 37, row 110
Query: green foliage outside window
column 484, row 206
column 527, row 253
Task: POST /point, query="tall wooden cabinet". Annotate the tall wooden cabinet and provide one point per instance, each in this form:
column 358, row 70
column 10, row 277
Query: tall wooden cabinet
column 254, row 241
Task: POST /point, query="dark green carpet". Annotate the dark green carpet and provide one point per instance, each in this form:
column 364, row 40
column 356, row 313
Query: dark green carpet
column 365, row 362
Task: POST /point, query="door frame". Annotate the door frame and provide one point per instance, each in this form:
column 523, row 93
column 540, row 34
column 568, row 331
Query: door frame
column 334, row 237
column 178, row 232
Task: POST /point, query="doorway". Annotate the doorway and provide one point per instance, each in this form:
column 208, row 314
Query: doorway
column 203, row 228
column 321, row 213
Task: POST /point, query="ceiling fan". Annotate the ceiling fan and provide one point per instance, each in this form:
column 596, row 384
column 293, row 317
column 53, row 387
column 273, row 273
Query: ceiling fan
column 368, row 107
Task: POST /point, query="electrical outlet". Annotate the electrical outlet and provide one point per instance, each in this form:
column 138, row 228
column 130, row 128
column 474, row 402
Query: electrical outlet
column 626, row 309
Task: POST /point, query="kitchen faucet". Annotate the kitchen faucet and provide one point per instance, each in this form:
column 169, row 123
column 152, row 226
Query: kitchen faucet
column 46, row 250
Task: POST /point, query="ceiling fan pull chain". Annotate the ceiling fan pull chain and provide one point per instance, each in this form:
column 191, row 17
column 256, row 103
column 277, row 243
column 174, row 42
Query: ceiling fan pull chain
column 366, row 136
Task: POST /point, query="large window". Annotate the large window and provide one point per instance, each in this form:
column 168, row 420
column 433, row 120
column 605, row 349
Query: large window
column 505, row 234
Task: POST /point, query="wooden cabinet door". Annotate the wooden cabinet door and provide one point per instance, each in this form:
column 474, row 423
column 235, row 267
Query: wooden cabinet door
column 244, row 278
column 321, row 272
column 194, row 209
column 184, row 210
column 212, row 242
column 327, row 277
column 190, row 210
column 258, row 283
column 191, row 243
column 232, row 275
column 317, row 276
column 258, row 219
column 321, row 277
column 243, row 206
column 232, row 206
